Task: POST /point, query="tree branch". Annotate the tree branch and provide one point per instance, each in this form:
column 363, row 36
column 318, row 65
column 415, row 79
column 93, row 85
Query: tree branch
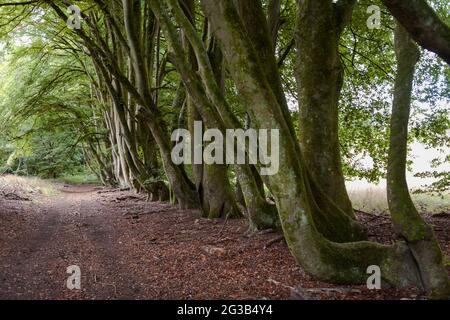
column 424, row 25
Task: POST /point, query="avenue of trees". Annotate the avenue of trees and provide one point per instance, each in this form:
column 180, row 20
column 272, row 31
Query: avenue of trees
column 109, row 92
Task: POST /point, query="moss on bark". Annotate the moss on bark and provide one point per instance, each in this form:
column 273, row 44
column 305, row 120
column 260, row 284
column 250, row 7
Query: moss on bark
column 407, row 220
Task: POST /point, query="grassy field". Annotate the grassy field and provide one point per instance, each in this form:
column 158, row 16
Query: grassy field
column 372, row 199
column 27, row 185
column 78, row 179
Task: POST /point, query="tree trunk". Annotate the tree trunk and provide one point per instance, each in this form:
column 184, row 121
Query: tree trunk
column 213, row 186
column 407, row 220
column 328, row 260
column 256, row 91
column 320, row 78
column 213, row 107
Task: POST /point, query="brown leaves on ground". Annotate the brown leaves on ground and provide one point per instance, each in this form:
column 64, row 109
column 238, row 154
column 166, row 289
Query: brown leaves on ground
column 128, row 248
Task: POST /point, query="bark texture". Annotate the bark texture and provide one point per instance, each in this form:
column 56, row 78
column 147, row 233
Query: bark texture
column 407, row 220
column 320, row 78
column 213, row 186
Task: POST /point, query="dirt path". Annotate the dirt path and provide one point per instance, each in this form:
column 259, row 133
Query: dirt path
column 82, row 227
column 68, row 229
column 131, row 249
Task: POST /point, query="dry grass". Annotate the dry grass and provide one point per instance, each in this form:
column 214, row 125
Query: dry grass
column 27, row 185
column 372, row 199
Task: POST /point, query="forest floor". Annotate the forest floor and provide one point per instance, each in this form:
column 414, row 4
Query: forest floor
column 128, row 248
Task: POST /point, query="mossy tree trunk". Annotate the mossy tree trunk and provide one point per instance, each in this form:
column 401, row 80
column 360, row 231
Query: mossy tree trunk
column 212, row 106
column 319, row 254
column 213, row 186
column 407, row 220
column 320, row 78
column 247, row 41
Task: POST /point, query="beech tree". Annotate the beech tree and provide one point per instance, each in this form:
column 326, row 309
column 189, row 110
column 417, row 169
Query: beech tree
column 294, row 186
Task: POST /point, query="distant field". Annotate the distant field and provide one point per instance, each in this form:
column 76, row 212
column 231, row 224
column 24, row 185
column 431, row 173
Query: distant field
column 27, row 184
column 372, row 199
column 78, row 179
